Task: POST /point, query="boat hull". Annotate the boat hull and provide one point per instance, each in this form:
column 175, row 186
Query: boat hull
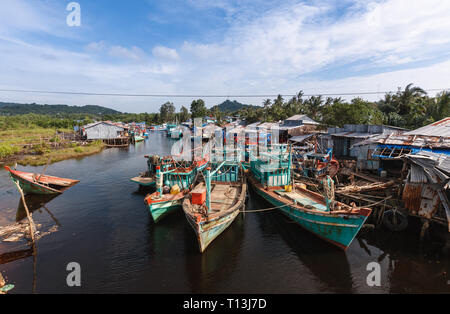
column 47, row 185
column 33, row 188
column 337, row 229
column 206, row 232
column 159, row 210
column 144, row 182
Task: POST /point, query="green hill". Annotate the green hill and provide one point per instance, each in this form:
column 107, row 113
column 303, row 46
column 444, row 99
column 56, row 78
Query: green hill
column 231, row 106
column 16, row 109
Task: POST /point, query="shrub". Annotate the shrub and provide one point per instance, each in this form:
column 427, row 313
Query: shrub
column 41, row 149
column 7, row 150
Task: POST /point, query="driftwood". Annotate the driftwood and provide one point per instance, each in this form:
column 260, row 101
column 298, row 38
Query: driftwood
column 365, row 188
column 15, row 232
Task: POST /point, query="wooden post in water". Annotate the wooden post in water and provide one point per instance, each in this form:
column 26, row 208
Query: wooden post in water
column 30, row 219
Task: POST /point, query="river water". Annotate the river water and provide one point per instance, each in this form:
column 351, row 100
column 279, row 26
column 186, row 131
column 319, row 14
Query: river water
column 102, row 224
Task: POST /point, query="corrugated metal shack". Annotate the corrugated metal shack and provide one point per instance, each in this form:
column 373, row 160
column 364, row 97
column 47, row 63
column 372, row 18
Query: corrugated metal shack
column 426, row 191
column 389, row 147
column 344, row 142
column 103, row 130
column 298, row 125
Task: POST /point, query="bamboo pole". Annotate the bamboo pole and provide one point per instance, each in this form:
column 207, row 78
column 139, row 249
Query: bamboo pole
column 30, row 219
column 32, row 231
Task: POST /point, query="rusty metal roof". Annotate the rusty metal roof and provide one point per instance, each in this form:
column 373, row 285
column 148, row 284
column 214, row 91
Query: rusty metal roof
column 440, row 128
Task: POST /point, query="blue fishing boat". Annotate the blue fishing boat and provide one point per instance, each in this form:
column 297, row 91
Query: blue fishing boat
column 213, row 205
column 335, row 222
column 173, row 183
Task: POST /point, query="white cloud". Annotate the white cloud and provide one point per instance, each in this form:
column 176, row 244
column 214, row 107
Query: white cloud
column 268, row 51
column 165, row 53
column 133, row 53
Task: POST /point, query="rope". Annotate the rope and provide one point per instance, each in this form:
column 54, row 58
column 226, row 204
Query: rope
column 265, row 209
column 376, row 203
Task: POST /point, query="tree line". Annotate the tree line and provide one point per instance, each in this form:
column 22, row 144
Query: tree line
column 410, row 107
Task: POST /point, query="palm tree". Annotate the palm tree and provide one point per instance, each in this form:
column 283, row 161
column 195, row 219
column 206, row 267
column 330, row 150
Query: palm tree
column 266, row 105
column 441, row 106
column 314, row 104
column 407, row 99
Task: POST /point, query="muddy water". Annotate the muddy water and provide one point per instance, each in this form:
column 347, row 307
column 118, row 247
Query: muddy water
column 102, row 224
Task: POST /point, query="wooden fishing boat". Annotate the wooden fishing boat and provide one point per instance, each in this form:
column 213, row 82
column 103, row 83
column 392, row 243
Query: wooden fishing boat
column 175, row 133
column 32, row 183
column 179, row 180
column 138, row 138
column 148, row 178
column 330, row 220
column 212, row 206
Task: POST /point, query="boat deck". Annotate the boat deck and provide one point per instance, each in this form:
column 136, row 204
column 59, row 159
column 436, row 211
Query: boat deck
column 302, row 200
column 222, row 197
column 143, row 180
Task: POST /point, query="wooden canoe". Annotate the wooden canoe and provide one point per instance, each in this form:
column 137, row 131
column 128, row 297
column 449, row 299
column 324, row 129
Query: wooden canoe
column 227, row 198
column 32, row 183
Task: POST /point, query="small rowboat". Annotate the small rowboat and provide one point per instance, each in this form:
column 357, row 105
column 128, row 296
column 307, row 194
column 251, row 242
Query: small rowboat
column 225, row 196
column 138, row 138
column 32, row 183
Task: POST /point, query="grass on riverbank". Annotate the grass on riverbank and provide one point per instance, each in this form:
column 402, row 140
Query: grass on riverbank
column 15, row 146
column 75, row 151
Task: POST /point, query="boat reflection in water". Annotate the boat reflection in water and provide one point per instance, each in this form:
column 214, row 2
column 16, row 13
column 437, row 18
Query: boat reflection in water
column 410, row 269
column 206, row 271
column 34, row 202
column 332, row 276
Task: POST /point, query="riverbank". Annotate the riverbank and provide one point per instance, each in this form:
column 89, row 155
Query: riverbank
column 39, row 146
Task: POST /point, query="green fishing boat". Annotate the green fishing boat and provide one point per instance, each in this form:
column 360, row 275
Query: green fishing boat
column 335, row 222
column 179, row 179
column 138, row 138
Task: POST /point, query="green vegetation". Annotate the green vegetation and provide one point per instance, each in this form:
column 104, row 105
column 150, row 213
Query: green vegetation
column 7, row 150
column 62, row 154
column 198, row 109
column 409, row 108
column 229, row 106
column 17, row 109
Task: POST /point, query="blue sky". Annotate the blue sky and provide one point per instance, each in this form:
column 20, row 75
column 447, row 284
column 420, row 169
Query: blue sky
column 220, row 47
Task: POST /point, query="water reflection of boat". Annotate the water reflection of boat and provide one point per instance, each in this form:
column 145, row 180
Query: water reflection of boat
column 34, row 202
column 9, row 257
column 208, row 270
column 330, row 267
column 410, row 269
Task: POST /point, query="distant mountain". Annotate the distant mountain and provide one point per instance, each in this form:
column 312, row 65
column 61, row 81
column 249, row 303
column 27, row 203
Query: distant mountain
column 231, row 106
column 15, row 109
